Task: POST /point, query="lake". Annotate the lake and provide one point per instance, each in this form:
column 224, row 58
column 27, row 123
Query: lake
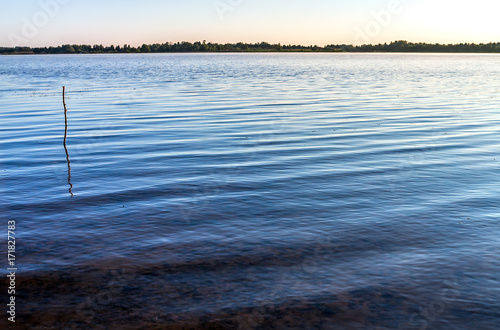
column 251, row 191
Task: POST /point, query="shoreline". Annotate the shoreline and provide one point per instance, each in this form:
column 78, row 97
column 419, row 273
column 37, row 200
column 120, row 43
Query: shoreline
column 256, row 52
column 399, row 46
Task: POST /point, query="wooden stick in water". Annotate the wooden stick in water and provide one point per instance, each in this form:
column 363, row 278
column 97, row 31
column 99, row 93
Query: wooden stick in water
column 65, row 137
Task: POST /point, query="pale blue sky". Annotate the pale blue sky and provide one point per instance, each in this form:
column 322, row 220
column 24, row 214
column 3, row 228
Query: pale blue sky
column 55, row 22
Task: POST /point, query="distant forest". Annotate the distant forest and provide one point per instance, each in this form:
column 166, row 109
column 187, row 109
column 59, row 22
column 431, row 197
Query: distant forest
column 184, row 47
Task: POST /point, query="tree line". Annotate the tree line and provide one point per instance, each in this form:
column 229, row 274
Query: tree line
column 185, row 47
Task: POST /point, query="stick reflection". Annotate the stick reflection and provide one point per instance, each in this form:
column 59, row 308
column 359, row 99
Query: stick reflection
column 65, row 148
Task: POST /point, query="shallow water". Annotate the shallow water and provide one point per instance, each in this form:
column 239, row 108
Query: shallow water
column 254, row 190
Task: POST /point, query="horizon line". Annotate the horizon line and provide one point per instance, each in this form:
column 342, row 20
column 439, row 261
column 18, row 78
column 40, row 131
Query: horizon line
column 256, row 43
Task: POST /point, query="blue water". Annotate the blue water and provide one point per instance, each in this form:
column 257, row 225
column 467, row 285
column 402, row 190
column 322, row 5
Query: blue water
column 334, row 191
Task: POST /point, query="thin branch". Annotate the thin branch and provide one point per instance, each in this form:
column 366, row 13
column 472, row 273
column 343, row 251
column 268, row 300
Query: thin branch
column 65, row 137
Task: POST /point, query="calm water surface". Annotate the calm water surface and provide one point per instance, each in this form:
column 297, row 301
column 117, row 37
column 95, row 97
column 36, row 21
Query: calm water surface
column 332, row 191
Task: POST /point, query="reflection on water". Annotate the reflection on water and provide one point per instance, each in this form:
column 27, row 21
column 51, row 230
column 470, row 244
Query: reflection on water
column 65, row 147
column 254, row 190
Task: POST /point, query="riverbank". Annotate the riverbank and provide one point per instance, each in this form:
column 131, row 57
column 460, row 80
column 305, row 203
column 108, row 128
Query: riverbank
column 401, row 46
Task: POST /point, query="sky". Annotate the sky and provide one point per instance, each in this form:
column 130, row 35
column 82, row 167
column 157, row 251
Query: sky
column 38, row 23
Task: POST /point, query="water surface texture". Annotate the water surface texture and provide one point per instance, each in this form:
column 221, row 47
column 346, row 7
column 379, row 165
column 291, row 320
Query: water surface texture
column 333, row 191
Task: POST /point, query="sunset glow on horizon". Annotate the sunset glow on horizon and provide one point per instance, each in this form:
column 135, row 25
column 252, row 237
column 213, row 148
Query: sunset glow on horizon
column 315, row 22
